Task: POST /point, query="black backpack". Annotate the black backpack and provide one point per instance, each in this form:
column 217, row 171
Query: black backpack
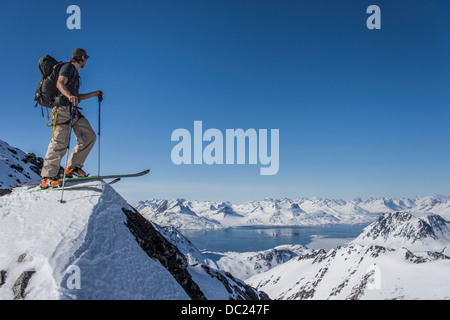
column 46, row 90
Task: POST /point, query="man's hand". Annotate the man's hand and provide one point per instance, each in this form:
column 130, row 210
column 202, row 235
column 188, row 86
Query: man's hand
column 73, row 100
column 99, row 95
column 61, row 85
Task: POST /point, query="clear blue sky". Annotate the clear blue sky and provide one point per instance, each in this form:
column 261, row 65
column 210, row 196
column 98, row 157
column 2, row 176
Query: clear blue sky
column 360, row 112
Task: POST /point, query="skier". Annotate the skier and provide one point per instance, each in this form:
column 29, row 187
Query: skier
column 68, row 97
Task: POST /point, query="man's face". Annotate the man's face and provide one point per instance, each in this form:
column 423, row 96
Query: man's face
column 83, row 63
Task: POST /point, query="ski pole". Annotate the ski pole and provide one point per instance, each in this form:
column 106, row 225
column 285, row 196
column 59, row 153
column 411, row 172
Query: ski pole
column 72, row 108
column 100, row 98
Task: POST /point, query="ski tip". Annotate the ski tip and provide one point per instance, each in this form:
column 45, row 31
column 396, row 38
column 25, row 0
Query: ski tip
column 114, row 181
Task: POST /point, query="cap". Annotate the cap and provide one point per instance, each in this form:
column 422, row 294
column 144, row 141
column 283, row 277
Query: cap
column 78, row 52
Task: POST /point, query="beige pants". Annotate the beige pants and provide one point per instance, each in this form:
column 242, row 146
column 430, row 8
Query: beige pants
column 58, row 145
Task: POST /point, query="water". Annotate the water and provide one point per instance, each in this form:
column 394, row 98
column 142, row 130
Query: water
column 257, row 238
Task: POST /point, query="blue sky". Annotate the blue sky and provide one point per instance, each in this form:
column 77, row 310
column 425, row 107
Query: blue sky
column 360, row 112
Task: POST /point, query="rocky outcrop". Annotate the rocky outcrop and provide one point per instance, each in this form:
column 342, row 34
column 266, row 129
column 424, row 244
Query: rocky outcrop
column 5, row 191
column 21, row 284
column 237, row 289
column 158, row 247
column 18, row 167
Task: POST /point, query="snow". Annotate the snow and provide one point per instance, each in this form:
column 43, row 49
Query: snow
column 341, row 273
column 246, row 264
column 417, row 231
column 89, row 232
column 325, row 243
column 399, row 256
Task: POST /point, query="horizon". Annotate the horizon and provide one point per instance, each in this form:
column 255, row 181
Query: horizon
column 301, row 198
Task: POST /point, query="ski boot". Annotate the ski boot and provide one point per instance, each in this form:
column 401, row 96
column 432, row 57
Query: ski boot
column 50, row 183
column 75, row 172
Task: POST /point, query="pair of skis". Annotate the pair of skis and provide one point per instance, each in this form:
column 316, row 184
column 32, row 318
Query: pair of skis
column 116, row 177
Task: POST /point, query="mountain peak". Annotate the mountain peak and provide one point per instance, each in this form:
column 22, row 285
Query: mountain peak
column 405, row 228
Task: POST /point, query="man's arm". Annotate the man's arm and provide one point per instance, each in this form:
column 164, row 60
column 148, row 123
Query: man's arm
column 85, row 96
column 61, row 85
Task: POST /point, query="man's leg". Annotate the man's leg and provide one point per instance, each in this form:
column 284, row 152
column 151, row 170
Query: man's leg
column 58, row 145
column 86, row 138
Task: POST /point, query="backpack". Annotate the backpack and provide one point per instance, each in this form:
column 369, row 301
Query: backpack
column 46, row 90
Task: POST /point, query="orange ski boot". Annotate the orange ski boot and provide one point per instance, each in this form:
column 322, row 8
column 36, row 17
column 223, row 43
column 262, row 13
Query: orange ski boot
column 50, row 183
column 75, row 172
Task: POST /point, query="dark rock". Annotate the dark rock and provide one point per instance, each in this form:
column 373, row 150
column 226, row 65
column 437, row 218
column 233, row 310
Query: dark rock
column 18, row 168
column 158, row 247
column 37, row 162
column 21, row 284
column 4, row 192
column 2, row 277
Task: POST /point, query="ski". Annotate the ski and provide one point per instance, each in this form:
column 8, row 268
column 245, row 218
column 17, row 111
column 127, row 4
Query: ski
column 77, row 186
column 114, row 176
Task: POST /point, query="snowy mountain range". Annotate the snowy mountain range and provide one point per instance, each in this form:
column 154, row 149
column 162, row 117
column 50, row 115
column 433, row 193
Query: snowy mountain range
column 399, row 256
column 97, row 246
column 183, row 214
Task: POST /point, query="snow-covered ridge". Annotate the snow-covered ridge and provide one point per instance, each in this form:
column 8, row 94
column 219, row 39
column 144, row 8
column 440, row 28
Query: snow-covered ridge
column 87, row 232
column 184, row 214
column 355, row 272
column 97, row 235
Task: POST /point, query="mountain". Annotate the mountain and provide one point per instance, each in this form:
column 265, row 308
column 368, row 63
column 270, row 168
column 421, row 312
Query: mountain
column 400, row 256
column 184, row 214
column 175, row 213
column 94, row 246
column 402, row 229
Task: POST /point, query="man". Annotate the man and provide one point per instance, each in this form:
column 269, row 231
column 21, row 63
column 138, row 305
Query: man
column 68, row 84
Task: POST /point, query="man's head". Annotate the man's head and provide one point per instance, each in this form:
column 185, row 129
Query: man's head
column 79, row 56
